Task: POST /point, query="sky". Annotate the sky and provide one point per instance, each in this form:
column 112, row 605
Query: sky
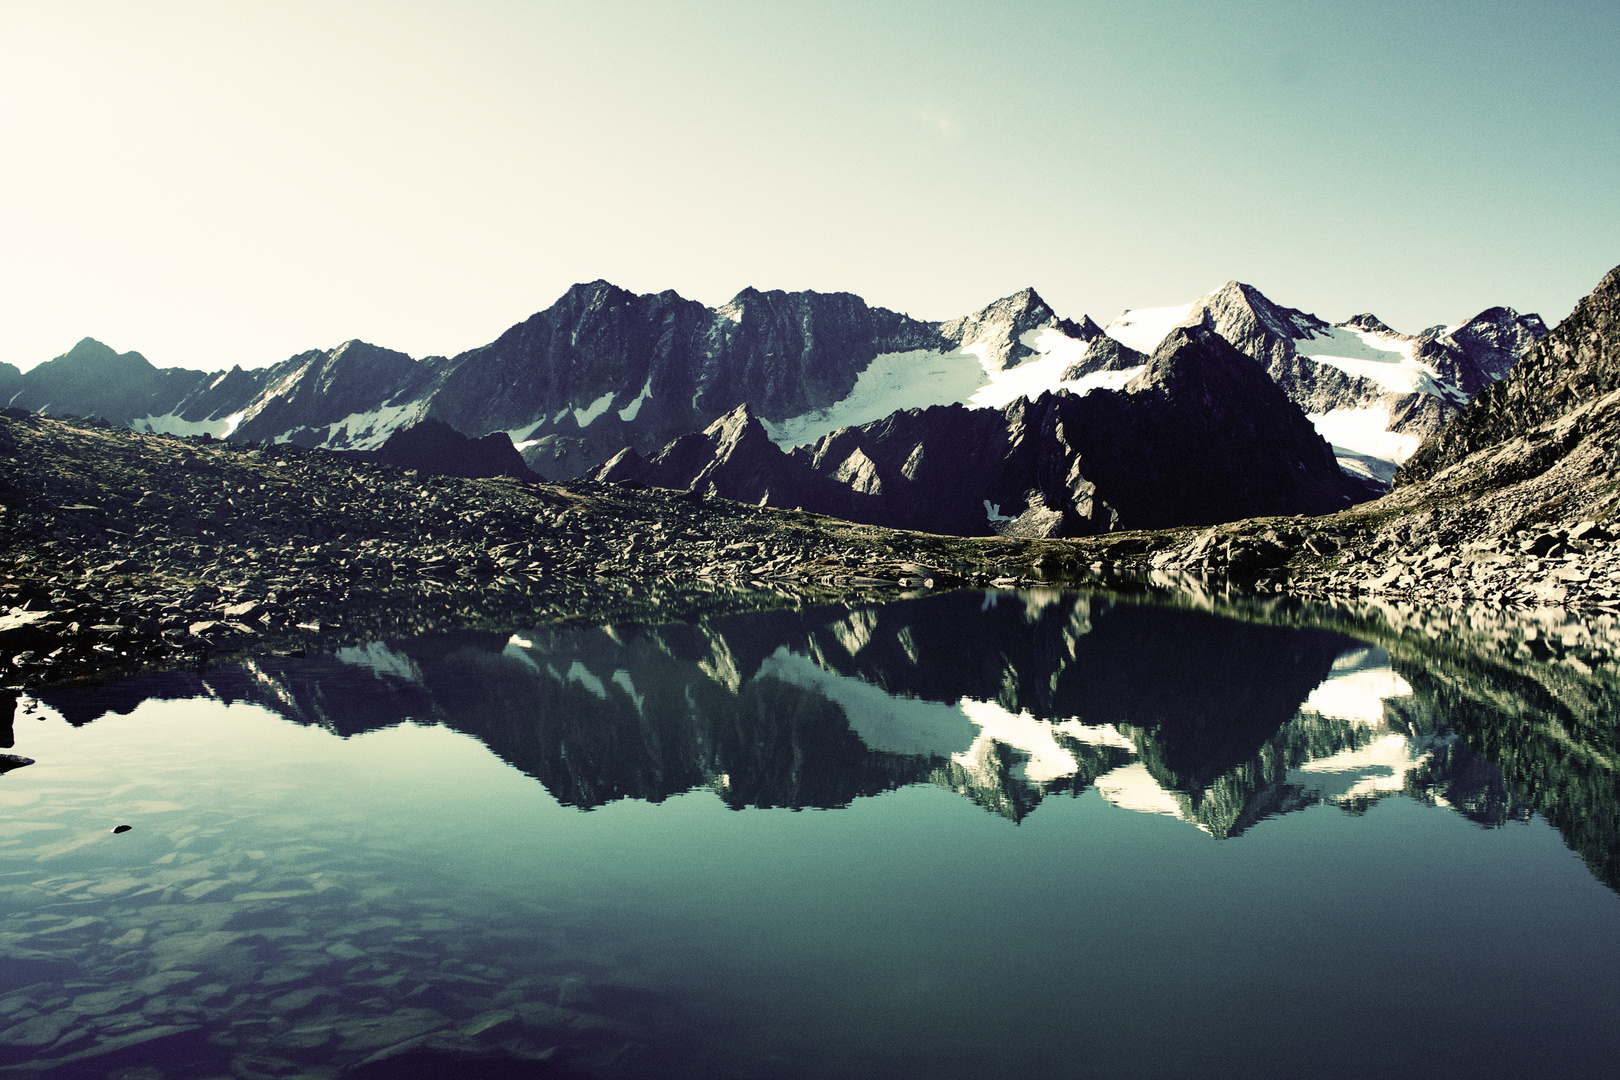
column 233, row 183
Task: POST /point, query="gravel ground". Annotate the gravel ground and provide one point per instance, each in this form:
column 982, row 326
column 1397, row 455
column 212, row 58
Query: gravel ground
column 121, row 551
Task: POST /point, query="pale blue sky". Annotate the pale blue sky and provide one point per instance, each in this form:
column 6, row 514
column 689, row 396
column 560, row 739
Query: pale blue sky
column 218, row 183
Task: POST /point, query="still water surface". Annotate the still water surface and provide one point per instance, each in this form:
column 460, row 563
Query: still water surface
column 960, row 835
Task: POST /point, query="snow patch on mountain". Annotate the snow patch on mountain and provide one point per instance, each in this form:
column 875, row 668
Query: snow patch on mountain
column 901, row 380
column 1047, row 759
column 587, row 416
column 1132, row 787
column 1386, row 359
column 1362, row 441
column 1366, row 772
column 629, row 412
column 521, row 435
column 972, row 375
column 1143, row 328
column 369, row 430
column 1360, row 683
column 884, row 722
column 173, row 424
column 1054, row 352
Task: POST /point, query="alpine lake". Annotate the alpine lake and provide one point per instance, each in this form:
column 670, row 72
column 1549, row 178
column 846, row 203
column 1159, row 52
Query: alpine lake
column 1094, row 832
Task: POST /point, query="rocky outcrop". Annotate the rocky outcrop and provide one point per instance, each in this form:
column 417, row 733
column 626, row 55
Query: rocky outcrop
column 732, row 458
column 435, row 448
column 1570, row 375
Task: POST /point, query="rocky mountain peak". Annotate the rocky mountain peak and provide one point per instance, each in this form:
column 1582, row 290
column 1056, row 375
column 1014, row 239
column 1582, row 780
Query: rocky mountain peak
column 598, row 293
column 1369, row 322
column 1570, row 371
column 1242, row 313
column 1085, row 329
column 1199, row 361
column 1501, row 328
column 89, row 354
column 735, row 427
column 996, row 331
column 89, row 349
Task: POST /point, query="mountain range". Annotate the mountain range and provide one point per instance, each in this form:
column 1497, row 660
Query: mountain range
column 604, row 370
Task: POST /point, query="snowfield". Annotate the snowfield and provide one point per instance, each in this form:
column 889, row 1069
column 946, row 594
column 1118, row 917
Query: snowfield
column 1385, row 360
column 1362, row 442
column 172, row 424
column 892, row 381
column 922, row 378
column 1143, row 328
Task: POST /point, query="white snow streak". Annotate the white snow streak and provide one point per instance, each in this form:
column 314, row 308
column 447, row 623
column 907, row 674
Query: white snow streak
column 382, row 661
column 369, row 430
column 896, row 725
column 1132, row 787
column 1361, row 440
column 586, row 416
column 1047, row 759
column 629, row 412
column 1362, row 681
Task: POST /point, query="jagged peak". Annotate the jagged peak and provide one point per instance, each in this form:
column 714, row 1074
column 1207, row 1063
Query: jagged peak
column 1371, row 323
column 1086, row 329
column 359, row 348
column 1023, row 302
column 588, row 293
column 1501, row 315
column 1191, row 350
column 735, row 424
column 999, row 326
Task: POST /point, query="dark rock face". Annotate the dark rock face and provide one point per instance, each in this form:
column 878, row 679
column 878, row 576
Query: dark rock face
column 1481, row 350
column 1574, row 367
column 733, row 458
column 91, row 379
column 1201, row 436
column 648, row 368
column 1103, row 353
column 437, row 449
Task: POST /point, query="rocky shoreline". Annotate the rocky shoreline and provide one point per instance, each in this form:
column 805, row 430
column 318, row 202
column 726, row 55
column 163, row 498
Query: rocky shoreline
column 121, row 551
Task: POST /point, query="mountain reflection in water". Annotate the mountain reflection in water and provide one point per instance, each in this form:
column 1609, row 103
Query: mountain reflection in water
column 1005, row 698
column 330, row 876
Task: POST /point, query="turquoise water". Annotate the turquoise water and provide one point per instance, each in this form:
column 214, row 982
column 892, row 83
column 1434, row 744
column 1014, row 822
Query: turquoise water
column 1157, row 843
